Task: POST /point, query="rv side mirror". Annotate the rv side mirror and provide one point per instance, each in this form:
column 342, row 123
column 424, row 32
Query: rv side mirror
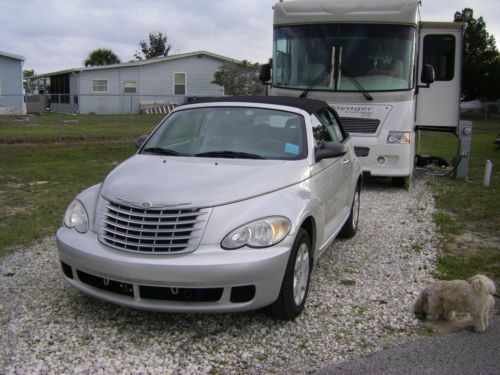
column 428, row 76
column 140, row 140
column 265, row 73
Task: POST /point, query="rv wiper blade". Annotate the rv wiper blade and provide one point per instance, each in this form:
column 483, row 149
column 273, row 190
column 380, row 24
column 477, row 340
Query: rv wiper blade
column 229, row 154
column 316, row 81
column 356, row 83
column 162, row 151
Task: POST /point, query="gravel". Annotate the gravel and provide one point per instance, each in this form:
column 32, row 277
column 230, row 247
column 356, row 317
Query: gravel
column 360, row 301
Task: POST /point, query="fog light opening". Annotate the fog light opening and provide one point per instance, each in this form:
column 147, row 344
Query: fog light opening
column 381, row 160
column 241, row 294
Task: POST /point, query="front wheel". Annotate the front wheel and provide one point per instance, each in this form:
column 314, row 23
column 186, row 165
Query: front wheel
column 351, row 225
column 295, row 285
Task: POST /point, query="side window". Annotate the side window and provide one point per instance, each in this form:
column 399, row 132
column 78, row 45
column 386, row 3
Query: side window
column 320, row 131
column 179, row 83
column 439, row 51
column 129, row 86
column 339, row 136
column 99, row 85
column 331, row 125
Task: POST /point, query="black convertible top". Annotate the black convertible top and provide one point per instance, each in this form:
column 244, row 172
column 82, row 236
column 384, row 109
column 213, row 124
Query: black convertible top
column 308, row 105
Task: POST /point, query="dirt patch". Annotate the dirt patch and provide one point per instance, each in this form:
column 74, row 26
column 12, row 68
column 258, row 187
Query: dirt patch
column 472, row 240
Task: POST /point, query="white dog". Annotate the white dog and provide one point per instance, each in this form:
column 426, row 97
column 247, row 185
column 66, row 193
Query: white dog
column 444, row 298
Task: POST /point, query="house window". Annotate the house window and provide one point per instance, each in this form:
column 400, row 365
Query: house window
column 129, row 86
column 99, row 85
column 179, row 83
column 439, row 51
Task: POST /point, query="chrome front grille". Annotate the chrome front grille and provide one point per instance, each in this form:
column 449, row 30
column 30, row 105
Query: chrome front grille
column 152, row 230
column 360, row 125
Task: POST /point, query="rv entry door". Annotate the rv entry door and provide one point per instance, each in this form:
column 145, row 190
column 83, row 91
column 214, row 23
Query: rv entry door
column 440, row 45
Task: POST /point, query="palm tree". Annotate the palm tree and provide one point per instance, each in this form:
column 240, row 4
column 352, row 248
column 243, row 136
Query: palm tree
column 101, row 56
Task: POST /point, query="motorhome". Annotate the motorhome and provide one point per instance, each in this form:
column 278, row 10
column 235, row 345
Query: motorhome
column 384, row 70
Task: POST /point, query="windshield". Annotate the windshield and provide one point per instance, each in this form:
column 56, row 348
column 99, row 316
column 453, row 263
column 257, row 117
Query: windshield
column 230, row 132
column 344, row 57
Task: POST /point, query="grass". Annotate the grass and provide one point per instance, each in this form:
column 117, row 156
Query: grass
column 468, row 214
column 54, row 126
column 40, row 175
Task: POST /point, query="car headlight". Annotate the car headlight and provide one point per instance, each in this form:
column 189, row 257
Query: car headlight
column 76, row 217
column 260, row 233
column 396, row 137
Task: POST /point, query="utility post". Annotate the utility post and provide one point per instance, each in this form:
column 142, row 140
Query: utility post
column 464, row 134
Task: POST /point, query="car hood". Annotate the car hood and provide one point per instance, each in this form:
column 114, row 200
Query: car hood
column 198, row 182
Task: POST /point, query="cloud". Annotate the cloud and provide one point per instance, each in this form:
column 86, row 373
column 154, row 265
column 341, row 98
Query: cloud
column 59, row 34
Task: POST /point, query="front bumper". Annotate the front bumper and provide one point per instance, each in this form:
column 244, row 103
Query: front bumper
column 236, row 280
column 397, row 159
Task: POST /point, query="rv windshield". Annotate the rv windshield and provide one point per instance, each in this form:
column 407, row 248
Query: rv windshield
column 334, row 57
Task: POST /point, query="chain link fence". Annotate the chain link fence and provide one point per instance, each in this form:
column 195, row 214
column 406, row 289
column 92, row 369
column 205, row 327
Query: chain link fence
column 62, row 116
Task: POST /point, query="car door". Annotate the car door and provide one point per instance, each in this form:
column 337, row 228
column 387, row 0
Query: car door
column 327, row 180
column 347, row 161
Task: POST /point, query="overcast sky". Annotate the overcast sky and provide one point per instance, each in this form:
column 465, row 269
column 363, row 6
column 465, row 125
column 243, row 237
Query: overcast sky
column 59, row 34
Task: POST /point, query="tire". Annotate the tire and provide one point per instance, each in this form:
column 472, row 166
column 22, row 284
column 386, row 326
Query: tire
column 401, row 182
column 295, row 285
column 351, row 225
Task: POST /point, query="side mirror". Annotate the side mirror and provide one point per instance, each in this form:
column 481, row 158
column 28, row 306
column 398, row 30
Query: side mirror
column 428, row 76
column 140, row 141
column 265, row 73
column 330, row 150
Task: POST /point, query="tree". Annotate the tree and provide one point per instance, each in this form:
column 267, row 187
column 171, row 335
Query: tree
column 157, row 47
column 481, row 61
column 28, row 73
column 101, row 56
column 239, row 79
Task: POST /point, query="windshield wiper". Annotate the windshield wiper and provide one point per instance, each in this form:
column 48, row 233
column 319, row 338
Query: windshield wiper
column 229, row 154
column 356, row 83
column 162, row 151
column 316, row 81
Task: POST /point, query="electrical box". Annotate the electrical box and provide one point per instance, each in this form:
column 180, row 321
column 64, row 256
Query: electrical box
column 464, row 134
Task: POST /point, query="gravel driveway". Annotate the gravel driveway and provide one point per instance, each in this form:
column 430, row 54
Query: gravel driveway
column 360, row 301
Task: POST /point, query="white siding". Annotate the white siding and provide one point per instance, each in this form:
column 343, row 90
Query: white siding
column 154, row 82
column 102, row 103
column 11, row 86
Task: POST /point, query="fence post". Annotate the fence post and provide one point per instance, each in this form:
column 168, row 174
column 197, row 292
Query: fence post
column 488, row 171
column 131, row 113
column 59, row 116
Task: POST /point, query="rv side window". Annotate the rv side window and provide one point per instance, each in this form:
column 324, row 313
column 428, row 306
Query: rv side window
column 439, row 51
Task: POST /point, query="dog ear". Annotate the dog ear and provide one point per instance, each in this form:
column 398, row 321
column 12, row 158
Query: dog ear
column 478, row 286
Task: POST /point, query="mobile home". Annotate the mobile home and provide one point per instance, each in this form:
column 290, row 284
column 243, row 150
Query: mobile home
column 11, row 84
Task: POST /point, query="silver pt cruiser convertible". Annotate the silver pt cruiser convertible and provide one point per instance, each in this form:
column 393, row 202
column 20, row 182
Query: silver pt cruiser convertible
column 225, row 207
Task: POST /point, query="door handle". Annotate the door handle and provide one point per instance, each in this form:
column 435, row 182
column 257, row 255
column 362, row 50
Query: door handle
column 346, row 161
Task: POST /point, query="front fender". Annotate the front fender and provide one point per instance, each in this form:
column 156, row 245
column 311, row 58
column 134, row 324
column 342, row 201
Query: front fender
column 295, row 202
column 89, row 198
